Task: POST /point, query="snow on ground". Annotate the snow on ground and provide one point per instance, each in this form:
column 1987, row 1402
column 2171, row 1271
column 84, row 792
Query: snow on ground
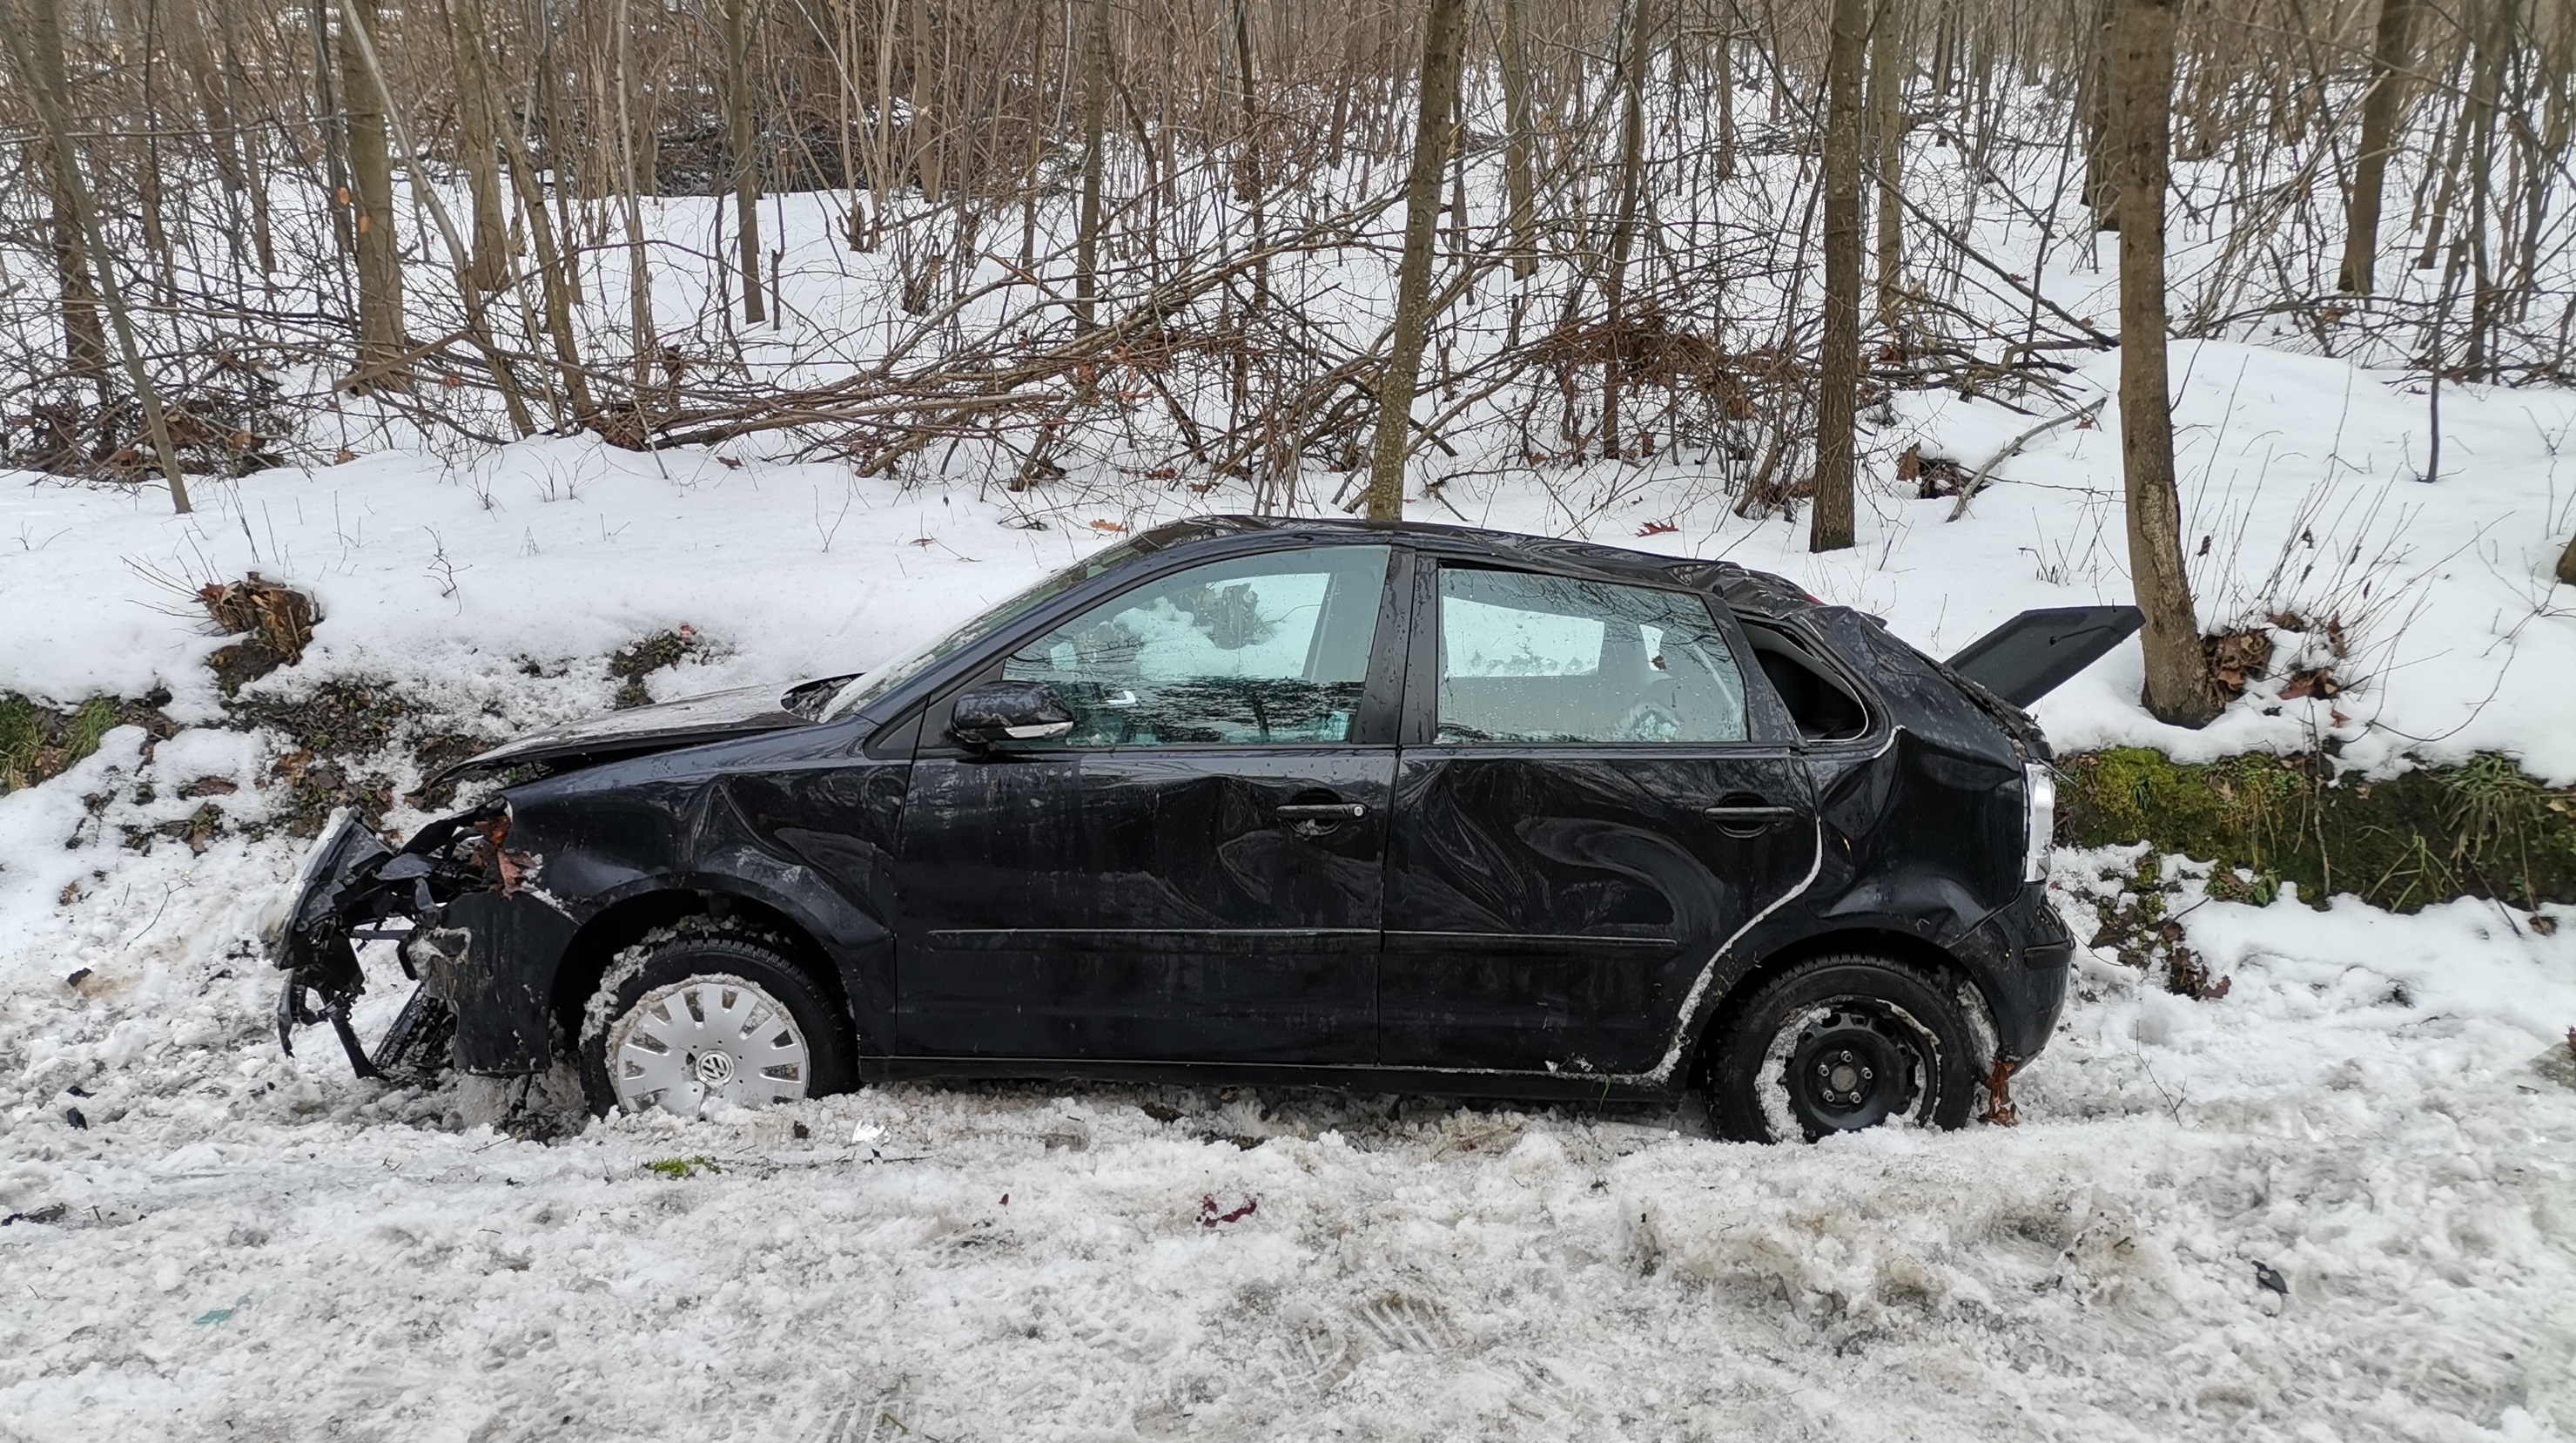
column 245, row 1245
column 252, row 1245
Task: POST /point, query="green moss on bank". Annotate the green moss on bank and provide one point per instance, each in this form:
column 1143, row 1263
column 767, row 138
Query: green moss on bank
column 2481, row 829
column 37, row 743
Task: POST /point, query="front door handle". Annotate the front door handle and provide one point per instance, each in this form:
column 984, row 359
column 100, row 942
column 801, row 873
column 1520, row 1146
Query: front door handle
column 1323, row 811
column 1747, row 818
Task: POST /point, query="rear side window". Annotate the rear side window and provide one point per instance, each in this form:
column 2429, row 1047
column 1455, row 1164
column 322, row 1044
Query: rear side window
column 1527, row 658
column 1817, row 702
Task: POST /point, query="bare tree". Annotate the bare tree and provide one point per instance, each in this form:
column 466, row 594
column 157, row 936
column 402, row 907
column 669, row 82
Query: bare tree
column 1838, row 356
column 475, row 145
column 1518, row 180
column 2379, row 114
column 1095, row 121
column 1623, row 221
column 1235, row 154
column 1441, row 29
column 56, row 124
column 41, row 71
column 1724, row 49
column 639, row 275
column 2178, row 688
column 2098, row 92
column 1884, row 140
column 2486, row 87
column 740, row 142
column 381, row 347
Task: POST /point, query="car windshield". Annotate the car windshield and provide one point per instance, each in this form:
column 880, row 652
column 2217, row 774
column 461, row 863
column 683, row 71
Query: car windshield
column 864, row 689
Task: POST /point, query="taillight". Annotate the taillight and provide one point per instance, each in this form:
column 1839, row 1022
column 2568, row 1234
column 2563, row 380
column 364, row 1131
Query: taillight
column 2038, row 818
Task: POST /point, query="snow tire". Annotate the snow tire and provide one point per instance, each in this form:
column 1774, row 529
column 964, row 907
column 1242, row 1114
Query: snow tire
column 1840, row 1043
column 663, row 967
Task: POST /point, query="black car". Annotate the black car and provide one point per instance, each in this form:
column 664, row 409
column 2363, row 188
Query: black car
column 1394, row 808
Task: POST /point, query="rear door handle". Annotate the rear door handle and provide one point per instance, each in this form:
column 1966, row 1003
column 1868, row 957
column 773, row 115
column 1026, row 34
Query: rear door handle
column 1323, row 811
column 1762, row 812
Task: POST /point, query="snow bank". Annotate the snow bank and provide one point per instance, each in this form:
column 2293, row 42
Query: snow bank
column 2297, row 478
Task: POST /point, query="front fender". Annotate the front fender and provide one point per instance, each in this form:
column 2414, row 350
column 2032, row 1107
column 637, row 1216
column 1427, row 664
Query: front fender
column 491, row 957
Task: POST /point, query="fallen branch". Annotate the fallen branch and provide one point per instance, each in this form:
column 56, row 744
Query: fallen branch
column 2012, row 448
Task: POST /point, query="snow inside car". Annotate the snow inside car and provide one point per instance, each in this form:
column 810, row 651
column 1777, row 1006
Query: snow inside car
column 1394, row 808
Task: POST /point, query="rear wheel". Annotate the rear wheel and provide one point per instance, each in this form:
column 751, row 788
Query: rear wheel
column 1838, row 1044
column 688, row 1022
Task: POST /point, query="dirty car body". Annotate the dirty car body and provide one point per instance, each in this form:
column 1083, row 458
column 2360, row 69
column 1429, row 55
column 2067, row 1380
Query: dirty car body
column 1402, row 808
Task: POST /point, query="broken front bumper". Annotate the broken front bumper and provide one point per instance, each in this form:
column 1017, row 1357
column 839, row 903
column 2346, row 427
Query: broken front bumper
column 313, row 945
column 350, row 887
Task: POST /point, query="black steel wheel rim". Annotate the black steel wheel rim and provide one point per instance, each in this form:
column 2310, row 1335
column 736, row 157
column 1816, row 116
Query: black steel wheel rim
column 1855, row 1065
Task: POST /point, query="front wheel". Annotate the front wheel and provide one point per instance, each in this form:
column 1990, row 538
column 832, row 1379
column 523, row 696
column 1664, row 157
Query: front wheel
column 691, row 1021
column 1841, row 1043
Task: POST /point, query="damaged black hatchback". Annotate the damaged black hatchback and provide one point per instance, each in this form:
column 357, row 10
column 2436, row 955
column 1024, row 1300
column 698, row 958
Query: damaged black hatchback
column 1396, row 808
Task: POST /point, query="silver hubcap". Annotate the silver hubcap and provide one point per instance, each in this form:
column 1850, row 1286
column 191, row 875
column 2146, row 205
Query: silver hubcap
column 706, row 1039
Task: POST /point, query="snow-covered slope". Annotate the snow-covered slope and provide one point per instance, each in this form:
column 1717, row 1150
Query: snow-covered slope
column 2299, row 485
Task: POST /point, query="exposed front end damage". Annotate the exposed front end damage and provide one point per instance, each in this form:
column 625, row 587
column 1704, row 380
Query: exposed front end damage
column 453, row 897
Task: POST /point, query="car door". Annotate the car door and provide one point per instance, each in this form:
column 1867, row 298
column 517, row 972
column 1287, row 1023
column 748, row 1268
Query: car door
column 1593, row 798
column 1197, row 872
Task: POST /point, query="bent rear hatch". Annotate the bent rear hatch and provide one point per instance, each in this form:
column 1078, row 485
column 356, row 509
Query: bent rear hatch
column 2036, row 652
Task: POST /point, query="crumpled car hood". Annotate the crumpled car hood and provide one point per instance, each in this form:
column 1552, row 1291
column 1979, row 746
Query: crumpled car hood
column 666, row 726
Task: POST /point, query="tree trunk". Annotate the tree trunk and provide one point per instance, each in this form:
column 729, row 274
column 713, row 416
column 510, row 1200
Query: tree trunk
column 254, row 172
column 1441, row 28
column 553, row 282
column 1037, row 140
column 2548, row 160
column 639, row 276
column 1095, row 120
column 2567, row 564
column 476, row 115
column 921, row 127
column 1518, row 181
column 1726, row 99
column 2380, row 110
column 645, row 62
column 332, row 133
column 2486, row 92
column 2101, row 86
column 2448, row 171
column 1838, row 358
column 147, row 176
column 1623, row 225
column 2178, row 690
column 371, row 198
column 1885, row 145
column 41, row 69
column 746, row 162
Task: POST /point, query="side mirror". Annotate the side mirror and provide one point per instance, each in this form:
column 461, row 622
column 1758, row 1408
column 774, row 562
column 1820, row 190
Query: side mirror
column 996, row 712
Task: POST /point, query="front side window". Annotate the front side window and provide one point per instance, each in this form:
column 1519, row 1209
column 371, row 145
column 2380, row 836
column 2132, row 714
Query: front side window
column 1526, row 658
column 1260, row 650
